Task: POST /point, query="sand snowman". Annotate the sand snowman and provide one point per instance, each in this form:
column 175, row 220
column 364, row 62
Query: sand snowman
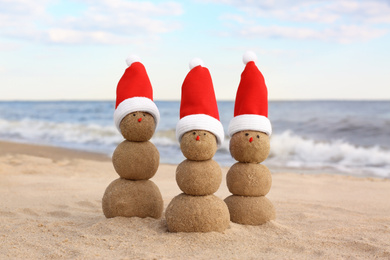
column 136, row 159
column 199, row 132
column 248, row 180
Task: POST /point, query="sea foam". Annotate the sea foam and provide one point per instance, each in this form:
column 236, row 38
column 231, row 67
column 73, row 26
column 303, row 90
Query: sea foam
column 291, row 150
column 317, row 136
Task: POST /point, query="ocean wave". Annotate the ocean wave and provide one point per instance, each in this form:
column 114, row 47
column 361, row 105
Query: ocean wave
column 90, row 137
column 294, row 151
column 288, row 149
column 165, row 138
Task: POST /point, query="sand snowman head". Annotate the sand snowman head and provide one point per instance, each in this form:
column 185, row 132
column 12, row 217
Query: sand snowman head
column 249, row 146
column 250, row 128
column 136, row 116
column 138, row 126
column 199, row 130
column 198, row 145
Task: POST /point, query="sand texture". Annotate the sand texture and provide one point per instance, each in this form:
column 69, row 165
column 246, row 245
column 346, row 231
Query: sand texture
column 51, row 207
column 125, row 198
column 187, row 213
column 250, row 210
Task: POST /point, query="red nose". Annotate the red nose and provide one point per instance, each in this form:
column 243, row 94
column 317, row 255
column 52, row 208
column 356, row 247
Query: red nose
column 251, row 139
column 140, row 119
column 198, row 138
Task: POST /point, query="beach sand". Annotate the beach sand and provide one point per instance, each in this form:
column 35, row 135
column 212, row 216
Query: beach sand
column 50, row 207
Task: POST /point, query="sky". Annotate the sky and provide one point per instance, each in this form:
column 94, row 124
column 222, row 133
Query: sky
column 306, row 49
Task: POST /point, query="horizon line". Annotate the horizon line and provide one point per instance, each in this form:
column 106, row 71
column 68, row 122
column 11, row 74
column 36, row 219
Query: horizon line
column 178, row 100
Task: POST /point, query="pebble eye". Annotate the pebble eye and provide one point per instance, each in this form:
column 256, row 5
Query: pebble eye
column 258, row 136
column 246, row 134
column 134, row 114
column 144, row 114
column 194, row 133
column 204, row 134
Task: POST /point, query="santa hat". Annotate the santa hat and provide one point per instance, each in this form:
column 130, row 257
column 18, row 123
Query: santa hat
column 134, row 92
column 198, row 107
column 251, row 107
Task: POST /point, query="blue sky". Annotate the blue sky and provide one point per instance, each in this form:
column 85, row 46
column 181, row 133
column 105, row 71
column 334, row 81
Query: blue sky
column 334, row 49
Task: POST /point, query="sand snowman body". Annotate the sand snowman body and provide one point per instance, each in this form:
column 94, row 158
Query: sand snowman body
column 197, row 209
column 248, row 180
column 136, row 159
column 199, row 176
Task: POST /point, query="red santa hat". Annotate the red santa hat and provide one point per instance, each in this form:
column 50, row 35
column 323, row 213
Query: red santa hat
column 134, row 92
column 251, row 107
column 198, row 107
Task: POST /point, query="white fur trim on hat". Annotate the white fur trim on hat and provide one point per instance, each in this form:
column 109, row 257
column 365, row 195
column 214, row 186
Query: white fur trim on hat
column 196, row 62
column 250, row 122
column 249, row 56
column 134, row 104
column 200, row 122
column 131, row 59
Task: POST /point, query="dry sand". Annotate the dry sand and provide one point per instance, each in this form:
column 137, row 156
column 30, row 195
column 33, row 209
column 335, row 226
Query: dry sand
column 50, row 207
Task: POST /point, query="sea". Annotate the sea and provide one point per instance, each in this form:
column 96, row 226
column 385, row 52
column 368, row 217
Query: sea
column 342, row 137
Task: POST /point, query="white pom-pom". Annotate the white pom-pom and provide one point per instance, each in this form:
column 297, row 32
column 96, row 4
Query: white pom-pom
column 195, row 62
column 131, row 59
column 249, row 56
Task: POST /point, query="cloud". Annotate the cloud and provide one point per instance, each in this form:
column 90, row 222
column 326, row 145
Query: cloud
column 126, row 17
column 374, row 12
column 20, row 14
column 23, row 7
column 342, row 34
column 9, row 46
column 315, row 10
column 102, row 21
column 333, row 20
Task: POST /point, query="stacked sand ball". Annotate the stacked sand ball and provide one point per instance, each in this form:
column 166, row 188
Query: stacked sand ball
column 199, row 132
column 136, row 159
column 248, row 180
